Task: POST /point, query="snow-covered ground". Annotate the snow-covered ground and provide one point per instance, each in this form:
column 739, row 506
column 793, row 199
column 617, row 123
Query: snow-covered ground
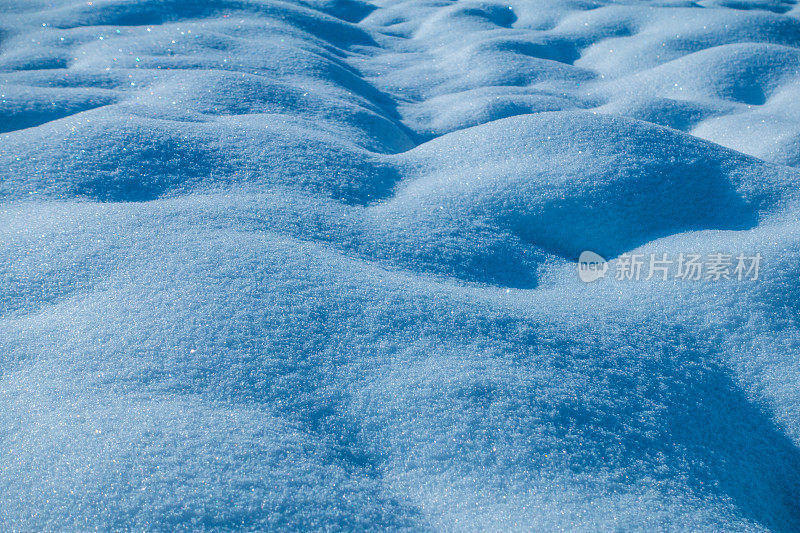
column 312, row 264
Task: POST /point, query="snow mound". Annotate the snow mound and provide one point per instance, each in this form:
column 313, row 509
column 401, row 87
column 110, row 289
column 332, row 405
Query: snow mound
column 578, row 181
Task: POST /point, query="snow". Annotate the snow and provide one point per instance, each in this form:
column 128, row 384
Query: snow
column 312, row 265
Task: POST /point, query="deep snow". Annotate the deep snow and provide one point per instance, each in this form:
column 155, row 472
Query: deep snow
column 312, row 264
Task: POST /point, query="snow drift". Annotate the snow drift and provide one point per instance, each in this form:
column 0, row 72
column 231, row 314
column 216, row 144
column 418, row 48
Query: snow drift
column 310, row 264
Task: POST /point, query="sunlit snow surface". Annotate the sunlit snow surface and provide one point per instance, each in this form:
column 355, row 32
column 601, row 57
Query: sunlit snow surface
column 312, row 264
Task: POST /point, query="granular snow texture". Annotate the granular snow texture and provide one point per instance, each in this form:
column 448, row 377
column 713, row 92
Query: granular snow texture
column 311, row 264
